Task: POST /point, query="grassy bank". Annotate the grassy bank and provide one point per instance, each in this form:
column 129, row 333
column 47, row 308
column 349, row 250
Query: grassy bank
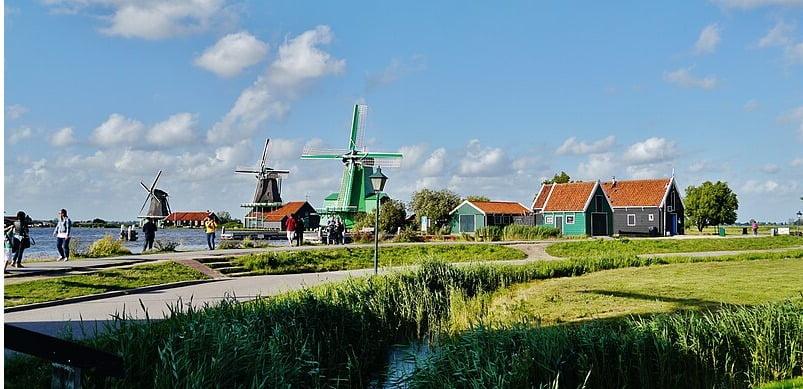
column 604, row 247
column 339, row 334
column 639, row 291
column 60, row 288
column 734, row 347
column 347, row 258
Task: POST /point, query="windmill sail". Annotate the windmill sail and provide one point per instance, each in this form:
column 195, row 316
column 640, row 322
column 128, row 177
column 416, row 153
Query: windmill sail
column 269, row 187
column 158, row 206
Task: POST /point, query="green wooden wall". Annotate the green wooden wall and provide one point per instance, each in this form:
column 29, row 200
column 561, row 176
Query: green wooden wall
column 466, row 209
column 576, row 229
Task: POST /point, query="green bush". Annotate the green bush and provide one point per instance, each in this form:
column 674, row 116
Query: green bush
column 408, row 234
column 228, row 244
column 488, row 234
column 107, row 246
column 166, row 246
column 521, row 232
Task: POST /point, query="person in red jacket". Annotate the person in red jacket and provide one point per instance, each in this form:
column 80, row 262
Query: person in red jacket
column 290, row 227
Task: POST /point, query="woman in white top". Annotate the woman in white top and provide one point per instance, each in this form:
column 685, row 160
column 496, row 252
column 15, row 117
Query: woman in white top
column 62, row 234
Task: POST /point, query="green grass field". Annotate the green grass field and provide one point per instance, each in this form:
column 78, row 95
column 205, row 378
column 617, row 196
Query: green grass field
column 602, row 247
column 60, row 288
column 360, row 258
column 795, row 383
column 647, row 290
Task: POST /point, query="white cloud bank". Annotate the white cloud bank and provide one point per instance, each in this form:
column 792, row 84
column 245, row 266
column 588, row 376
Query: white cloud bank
column 684, row 78
column 575, row 147
column 708, row 40
column 120, row 131
column 232, row 53
column 62, row 137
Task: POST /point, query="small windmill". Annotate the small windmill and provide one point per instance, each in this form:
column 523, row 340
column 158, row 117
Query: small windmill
column 268, row 193
column 159, row 207
column 355, row 186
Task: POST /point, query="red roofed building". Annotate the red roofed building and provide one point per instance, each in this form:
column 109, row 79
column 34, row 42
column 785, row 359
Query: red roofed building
column 277, row 218
column 470, row 216
column 574, row 208
column 186, row 219
column 646, row 207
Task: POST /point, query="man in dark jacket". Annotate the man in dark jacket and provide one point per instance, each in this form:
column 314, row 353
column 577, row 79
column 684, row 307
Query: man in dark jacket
column 149, row 228
column 299, row 231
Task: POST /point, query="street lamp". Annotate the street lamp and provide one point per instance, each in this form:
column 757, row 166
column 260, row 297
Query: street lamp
column 378, row 181
column 799, row 216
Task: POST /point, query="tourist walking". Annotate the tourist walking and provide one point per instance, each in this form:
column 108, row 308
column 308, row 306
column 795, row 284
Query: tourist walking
column 331, row 232
column 63, row 233
column 8, row 238
column 21, row 238
column 340, row 229
column 754, row 225
column 149, row 228
column 290, row 227
column 299, row 232
column 210, row 225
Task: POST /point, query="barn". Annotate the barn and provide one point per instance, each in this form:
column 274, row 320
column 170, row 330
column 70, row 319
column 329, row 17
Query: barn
column 275, row 220
column 186, row 219
column 470, row 216
column 575, row 208
column 650, row 207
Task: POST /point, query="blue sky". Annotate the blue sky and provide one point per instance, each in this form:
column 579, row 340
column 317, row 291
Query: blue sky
column 483, row 98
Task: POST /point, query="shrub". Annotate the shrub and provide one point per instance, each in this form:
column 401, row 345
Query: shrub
column 522, row 232
column 166, row 246
column 408, row 235
column 488, row 234
column 228, row 244
column 106, row 246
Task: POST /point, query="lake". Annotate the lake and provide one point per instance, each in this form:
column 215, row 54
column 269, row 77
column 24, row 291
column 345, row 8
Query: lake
column 188, row 239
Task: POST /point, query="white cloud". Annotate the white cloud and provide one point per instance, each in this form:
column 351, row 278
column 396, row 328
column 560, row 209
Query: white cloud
column 15, row 111
column 281, row 149
column 751, row 105
column 62, row 137
column 300, row 61
column 412, row 154
column 797, row 162
column 482, row 161
column 232, row 53
column 150, row 19
column 770, row 168
column 19, row 134
column 118, row 130
column 751, row 4
column 597, row 167
column 778, row 35
column 395, row 70
column 434, row 165
column 651, row 150
column 683, row 77
column 572, row 146
column 177, row 129
column 755, row 186
column 708, row 40
column 649, row 171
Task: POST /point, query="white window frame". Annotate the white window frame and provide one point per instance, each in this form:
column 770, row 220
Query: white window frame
column 651, row 217
column 569, row 219
column 629, row 224
column 549, row 219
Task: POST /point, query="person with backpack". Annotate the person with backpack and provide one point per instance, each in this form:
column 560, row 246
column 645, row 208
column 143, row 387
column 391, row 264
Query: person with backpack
column 62, row 234
column 21, row 238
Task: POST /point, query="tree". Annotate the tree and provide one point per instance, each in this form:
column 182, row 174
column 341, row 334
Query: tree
column 392, row 216
column 561, row 178
column 710, row 204
column 477, row 198
column 224, row 217
column 434, row 204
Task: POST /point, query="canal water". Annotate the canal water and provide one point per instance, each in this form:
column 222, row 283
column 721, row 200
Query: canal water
column 187, row 238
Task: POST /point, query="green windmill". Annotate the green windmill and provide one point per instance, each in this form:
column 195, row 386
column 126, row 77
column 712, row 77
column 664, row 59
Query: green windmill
column 356, row 193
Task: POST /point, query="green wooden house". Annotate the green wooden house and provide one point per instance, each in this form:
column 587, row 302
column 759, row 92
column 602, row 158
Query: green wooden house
column 470, row 216
column 575, row 208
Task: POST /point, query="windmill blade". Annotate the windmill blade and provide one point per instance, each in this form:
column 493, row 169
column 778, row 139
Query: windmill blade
column 357, row 127
column 264, row 160
column 381, row 155
column 155, row 181
column 247, row 169
column 148, row 197
column 322, row 153
column 385, row 163
column 145, row 187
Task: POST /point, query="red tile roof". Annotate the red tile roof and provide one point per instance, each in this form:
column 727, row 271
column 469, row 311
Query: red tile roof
column 637, row 193
column 187, row 216
column 542, row 195
column 278, row 215
column 571, row 196
column 500, row 207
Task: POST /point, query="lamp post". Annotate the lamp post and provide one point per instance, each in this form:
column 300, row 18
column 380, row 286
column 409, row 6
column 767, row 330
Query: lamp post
column 799, row 218
column 378, row 181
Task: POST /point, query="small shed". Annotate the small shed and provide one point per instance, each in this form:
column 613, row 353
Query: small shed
column 276, row 219
column 186, row 219
column 646, row 206
column 575, row 208
column 470, row 216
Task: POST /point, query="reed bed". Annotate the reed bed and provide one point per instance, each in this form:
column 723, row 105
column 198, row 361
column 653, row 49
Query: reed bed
column 515, row 232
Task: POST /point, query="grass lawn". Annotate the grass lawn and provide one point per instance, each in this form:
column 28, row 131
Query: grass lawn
column 60, row 288
column 794, row 383
column 647, row 290
column 361, row 257
column 600, row 247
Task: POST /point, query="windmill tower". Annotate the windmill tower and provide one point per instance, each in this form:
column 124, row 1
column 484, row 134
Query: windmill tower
column 159, row 207
column 356, row 193
column 268, row 193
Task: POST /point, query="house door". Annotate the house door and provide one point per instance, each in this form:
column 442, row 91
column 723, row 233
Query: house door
column 673, row 226
column 599, row 224
column 559, row 223
column 466, row 223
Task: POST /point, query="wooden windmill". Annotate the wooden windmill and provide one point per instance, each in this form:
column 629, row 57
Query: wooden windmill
column 268, row 193
column 159, row 207
column 356, row 193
